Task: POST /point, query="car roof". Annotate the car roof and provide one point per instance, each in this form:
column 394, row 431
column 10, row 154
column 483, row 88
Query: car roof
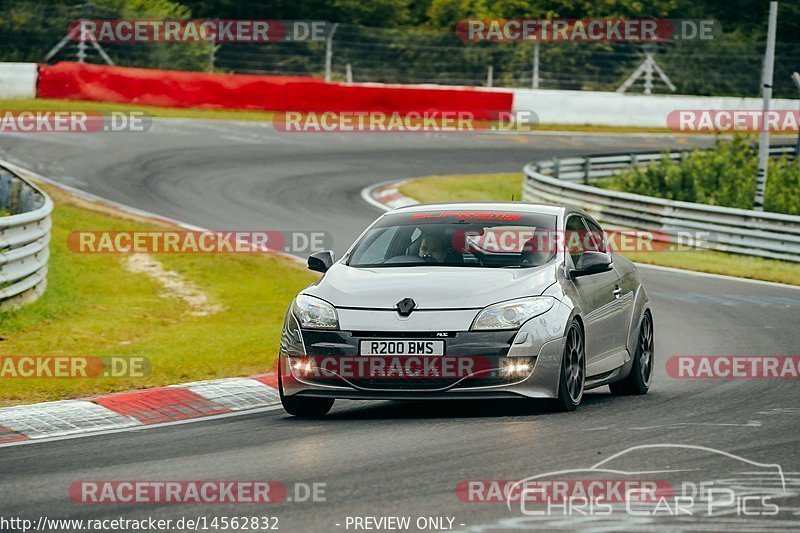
column 516, row 207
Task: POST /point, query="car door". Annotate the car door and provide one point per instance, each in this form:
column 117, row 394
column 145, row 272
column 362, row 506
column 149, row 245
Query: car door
column 624, row 290
column 599, row 303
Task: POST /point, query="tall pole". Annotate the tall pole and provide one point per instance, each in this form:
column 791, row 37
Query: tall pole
column 86, row 11
column 535, row 79
column 796, row 79
column 329, row 52
column 766, row 90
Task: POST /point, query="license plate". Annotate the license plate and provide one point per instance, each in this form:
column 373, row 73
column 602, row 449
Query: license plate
column 405, row 347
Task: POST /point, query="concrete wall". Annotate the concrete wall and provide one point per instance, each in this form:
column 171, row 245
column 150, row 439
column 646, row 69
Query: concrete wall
column 613, row 109
column 18, row 80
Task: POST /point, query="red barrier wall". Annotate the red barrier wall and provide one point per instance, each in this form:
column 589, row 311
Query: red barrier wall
column 168, row 88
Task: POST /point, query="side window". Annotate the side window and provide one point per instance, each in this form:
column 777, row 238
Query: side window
column 574, row 237
column 598, row 237
column 376, row 251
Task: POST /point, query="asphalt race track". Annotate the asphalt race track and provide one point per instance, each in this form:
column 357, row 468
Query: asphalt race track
column 247, row 176
column 405, row 459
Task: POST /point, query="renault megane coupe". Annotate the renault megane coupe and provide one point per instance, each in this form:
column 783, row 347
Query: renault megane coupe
column 468, row 301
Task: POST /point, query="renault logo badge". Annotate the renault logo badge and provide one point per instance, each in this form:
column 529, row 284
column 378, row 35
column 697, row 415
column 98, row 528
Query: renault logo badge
column 406, row 306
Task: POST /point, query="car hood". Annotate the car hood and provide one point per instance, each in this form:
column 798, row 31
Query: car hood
column 431, row 287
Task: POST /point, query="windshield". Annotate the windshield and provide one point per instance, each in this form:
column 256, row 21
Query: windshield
column 485, row 239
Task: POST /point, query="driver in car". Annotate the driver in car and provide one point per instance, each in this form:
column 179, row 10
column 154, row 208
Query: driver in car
column 432, row 248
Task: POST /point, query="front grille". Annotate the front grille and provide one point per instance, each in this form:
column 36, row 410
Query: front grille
column 403, row 383
column 404, row 334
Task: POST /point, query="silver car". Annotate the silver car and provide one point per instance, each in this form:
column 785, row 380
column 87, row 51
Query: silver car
column 468, row 301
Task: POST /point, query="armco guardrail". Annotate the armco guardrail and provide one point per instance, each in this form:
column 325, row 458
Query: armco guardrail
column 739, row 231
column 24, row 239
column 588, row 169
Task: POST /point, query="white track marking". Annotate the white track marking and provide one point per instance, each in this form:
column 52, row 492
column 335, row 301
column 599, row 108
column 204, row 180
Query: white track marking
column 684, row 272
column 122, row 207
column 61, row 419
column 366, row 194
column 144, row 426
column 236, row 394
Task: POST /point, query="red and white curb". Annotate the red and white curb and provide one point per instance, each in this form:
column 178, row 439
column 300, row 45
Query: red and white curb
column 200, row 399
column 386, row 196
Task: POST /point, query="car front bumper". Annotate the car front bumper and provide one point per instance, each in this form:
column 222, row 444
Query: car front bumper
column 539, row 343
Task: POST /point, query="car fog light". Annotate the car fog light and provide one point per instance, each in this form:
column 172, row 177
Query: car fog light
column 514, row 368
column 303, row 365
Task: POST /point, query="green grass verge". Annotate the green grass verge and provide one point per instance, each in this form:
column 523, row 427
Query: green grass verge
column 171, row 112
column 94, row 306
column 501, row 187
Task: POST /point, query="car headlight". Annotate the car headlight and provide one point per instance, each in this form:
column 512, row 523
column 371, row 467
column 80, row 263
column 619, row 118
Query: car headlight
column 512, row 314
column 313, row 313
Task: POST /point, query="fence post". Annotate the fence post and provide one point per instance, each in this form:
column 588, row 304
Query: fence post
column 348, row 73
column 212, row 55
column 535, row 77
column 489, row 76
column 27, row 200
column 14, row 197
column 329, row 52
column 5, row 189
column 556, row 167
column 587, row 169
column 795, row 154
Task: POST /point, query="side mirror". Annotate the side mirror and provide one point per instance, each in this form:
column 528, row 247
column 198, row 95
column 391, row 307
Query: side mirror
column 321, row 261
column 591, row 263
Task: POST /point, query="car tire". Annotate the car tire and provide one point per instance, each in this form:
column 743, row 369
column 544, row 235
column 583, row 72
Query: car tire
column 304, row 407
column 640, row 377
column 573, row 370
